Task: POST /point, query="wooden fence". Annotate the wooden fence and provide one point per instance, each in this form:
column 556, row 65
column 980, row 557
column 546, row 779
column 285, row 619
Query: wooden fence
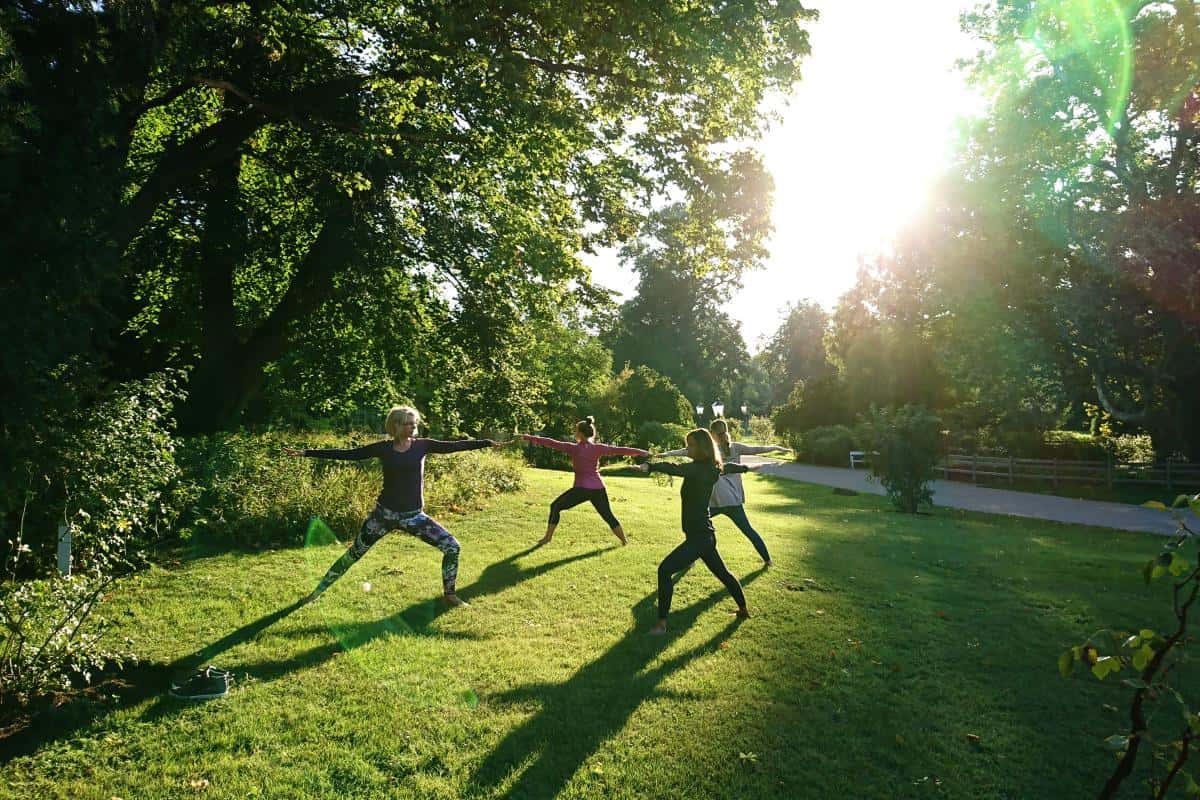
column 1172, row 474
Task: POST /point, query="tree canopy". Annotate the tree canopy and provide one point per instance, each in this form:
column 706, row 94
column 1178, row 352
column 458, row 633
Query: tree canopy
column 224, row 185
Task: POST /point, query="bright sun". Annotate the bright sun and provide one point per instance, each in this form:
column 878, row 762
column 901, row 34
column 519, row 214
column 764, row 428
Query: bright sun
column 862, row 140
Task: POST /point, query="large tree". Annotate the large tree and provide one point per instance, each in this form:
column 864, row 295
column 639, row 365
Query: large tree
column 795, row 352
column 675, row 323
column 1090, row 154
column 202, row 183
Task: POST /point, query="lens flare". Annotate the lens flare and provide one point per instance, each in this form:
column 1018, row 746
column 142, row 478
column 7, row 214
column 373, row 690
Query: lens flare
column 1086, row 47
column 370, row 630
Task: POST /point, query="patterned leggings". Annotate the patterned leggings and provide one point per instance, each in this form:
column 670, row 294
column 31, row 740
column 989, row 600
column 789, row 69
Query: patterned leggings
column 415, row 523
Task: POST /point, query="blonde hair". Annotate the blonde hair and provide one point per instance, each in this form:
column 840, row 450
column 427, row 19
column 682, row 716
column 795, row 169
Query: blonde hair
column 704, row 446
column 398, row 416
column 720, row 432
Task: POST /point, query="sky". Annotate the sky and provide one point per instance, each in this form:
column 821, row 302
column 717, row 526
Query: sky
column 861, row 140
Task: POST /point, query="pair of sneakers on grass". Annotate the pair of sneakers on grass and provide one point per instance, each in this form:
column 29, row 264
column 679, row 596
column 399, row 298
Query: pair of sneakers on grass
column 206, row 683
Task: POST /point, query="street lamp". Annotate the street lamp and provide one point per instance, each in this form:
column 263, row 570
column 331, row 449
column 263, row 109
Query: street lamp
column 718, row 408
column 744, row 409
column 699, row 411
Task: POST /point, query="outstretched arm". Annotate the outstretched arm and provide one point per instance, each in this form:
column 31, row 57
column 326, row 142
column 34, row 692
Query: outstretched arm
column 614, row 450
column 757, row 449
column 553, row 444
column 350, row 454
column 442, row 446
column 678, row 470
column 729, row 468
column 680, row 452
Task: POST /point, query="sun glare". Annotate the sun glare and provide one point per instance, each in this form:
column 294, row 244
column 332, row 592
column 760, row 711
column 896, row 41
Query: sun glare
column 858, row 147
column 854, row 153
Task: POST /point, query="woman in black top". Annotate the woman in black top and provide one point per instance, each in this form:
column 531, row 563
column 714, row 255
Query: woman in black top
column 700, row 540
column 401, row 502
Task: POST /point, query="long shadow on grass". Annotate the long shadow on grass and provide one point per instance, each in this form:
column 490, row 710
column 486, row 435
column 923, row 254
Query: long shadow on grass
column 415, row 620
column 598, row 700
column 124, row 688
column 505, row 574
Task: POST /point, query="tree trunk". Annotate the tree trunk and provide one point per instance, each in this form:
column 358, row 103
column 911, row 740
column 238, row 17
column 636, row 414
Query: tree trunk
column 230, row 368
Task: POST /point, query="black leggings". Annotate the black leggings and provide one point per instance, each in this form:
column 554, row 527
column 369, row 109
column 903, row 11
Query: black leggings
column 576, row 495
column 703, row 547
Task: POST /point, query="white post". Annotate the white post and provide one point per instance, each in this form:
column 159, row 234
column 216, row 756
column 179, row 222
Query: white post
column 64, row 550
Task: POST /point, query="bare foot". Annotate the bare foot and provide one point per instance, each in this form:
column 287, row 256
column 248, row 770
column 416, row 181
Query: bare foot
column 768, row 563
column 742, row 613
column 544, row 540
column 455, row 601
column 620, row 534
column 659, row 628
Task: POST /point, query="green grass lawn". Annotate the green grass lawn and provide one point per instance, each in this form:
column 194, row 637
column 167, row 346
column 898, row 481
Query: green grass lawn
column 879, row 642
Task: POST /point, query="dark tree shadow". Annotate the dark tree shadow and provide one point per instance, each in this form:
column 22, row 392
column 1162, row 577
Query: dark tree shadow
column 125, row 687
column 505, row 574
column 415, row 620
column 140, row 682
column 597, row 700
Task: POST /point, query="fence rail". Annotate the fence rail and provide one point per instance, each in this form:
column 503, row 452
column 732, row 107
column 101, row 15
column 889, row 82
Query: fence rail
column 1109, row 472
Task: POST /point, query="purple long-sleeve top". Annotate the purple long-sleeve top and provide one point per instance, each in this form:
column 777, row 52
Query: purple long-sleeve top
column 403, row 472
column 585, row 457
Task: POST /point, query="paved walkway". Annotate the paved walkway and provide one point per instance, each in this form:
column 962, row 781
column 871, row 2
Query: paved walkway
column 955, row 494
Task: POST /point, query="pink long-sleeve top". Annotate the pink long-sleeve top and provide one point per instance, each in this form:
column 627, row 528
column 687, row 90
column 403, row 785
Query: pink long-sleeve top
column 585, row 457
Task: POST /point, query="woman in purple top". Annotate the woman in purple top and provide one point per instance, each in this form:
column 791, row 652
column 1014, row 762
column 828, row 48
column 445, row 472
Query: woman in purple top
column 401, row 503
column 585, row 455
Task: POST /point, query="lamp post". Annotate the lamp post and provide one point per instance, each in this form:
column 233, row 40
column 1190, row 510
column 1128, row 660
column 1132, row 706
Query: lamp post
column 718, row 408
column 744, row 409
column 700, row 412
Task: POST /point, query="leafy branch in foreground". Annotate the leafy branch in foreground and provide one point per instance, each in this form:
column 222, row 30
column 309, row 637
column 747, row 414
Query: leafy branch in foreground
column 1161, row 718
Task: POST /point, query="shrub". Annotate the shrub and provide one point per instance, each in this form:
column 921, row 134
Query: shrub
column 113, row 471
column 636, row 396
column 660, row 436
column 464, row 480
column 1073, row 446
column 107, row 471
column 907, row 441
column 818, row 403
column 1132, row 448
column 253, row 495
column 761, row 430
column 546, row 457
column 50, row 639
column 829, row 445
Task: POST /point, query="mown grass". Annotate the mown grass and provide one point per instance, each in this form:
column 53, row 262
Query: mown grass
column 879, row 642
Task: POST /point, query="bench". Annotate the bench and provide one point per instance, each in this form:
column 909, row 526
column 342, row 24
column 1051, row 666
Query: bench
column 860, row 457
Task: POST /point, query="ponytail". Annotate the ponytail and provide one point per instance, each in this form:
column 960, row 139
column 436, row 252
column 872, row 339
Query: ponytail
column 720, row 433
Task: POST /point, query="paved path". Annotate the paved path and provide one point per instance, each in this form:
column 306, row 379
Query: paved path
column 955, row 494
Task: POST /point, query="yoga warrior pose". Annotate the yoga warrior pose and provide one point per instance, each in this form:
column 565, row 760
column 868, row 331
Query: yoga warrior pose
column 700, row 540
column 729, row 496
column 585, row 455
column 401, row 502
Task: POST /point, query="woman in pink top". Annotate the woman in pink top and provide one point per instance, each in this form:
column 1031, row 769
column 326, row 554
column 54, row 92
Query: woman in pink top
column 585, row 455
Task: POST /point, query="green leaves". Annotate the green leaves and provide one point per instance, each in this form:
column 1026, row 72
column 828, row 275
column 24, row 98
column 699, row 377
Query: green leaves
column 1066, row 663
column 1142, row 657
column 1117, row 742
column 1105, row 666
